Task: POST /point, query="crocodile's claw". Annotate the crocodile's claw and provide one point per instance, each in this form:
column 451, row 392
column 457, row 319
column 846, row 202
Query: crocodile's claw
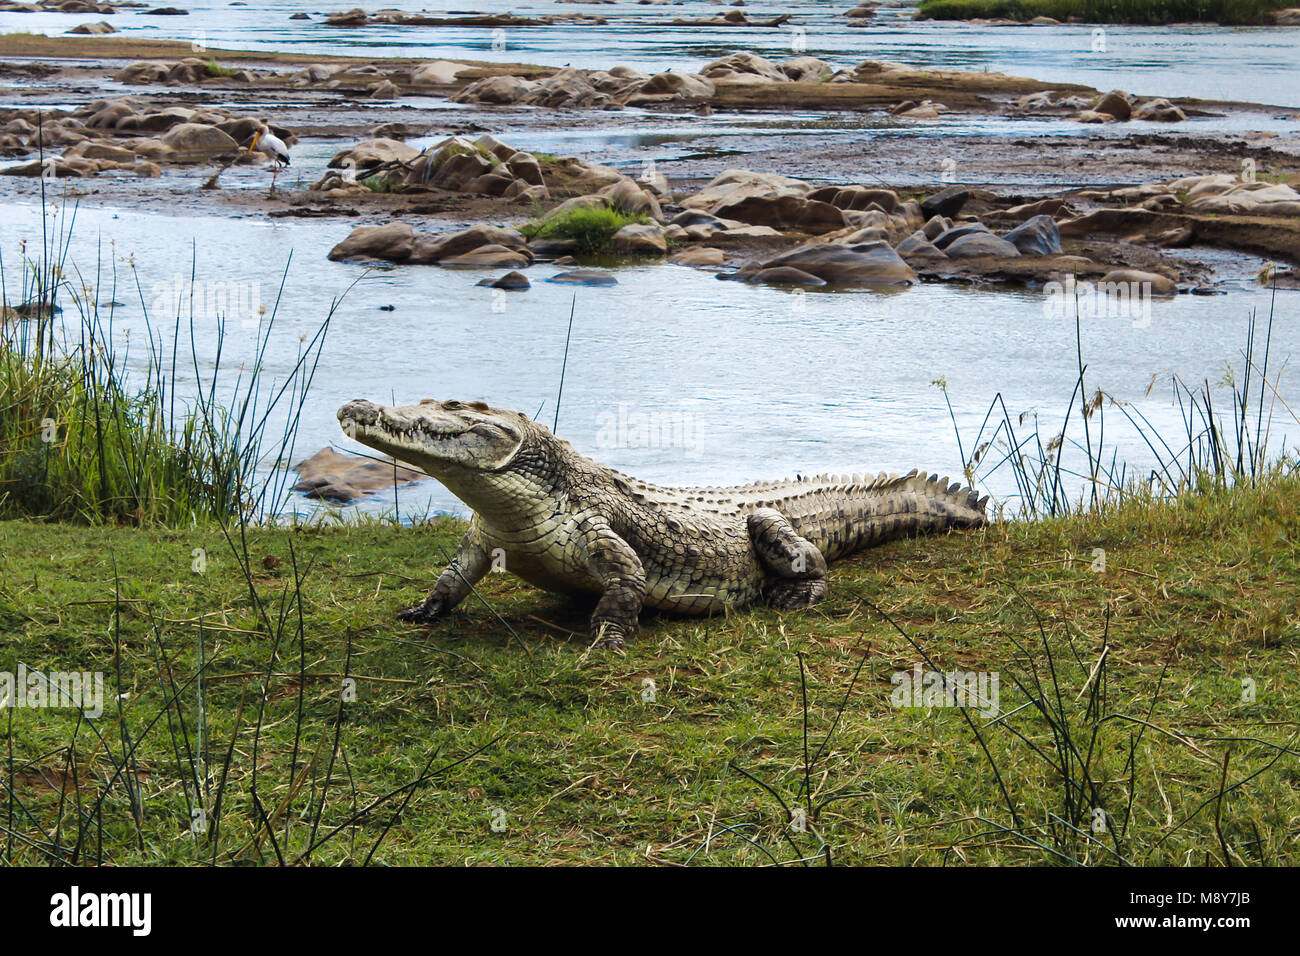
column 424, row 612
column 608, row 635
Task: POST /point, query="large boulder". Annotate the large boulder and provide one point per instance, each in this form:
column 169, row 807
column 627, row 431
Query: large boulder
column 949, row 236
column 1158, row 111
column 492, row 256
column 686, row 86
column 495, row 90
column 806, row 69
column 447, row 245
column 785, row 212
column 1159, row 284
column 745, row 68
column 947, row 202
column 391, row 242
column 866, row 263
column 373, row 152
column 980, row 244
column 436, row 73
column 1116, row 104
column 641, row 239
column 196, row 143
column 917, row 247
column 1038, row 236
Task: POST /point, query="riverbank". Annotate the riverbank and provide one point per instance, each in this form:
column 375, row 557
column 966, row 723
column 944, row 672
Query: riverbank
column 1170, row 629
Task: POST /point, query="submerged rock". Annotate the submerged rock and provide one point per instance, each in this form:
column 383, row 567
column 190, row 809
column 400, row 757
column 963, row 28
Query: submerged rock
column 332, row 476
column 585, row 277
column 864, row 263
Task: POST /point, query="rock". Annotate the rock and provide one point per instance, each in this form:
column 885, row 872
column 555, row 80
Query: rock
column 631, row 198
column 436, row 73
column 585, row 277
column 487, row 257
column 428, row 249
column 949, row 236
column 1116, row 104
column 511, row 280
column 526, row 167
column 935, row 227
column 947, row 202
column 1245, row 199
column 98, row 28
column 863, row 12
column 1035, row 101
column 732, row 185
column 332, row 476
column 858, row 198
column 110, row 113
column 1092, row 116
column 1038, row 236
column 356, row 17
column 1043, row 207
column 785, row 212
column 916, row 246
column 744, row 68
column 392, row 242
column 146, row 170
column 699, row 256
column 786, row 275
column 980, row 244
column 686, row 86
column 868, row 263
column 1289, row 17
column 494, row 90
column 100, row 149
column 385, row 90
column 1158, row 111
column 194, row 143
column 806, row 69
column 640, row 239
column 1160, row 285
column 372, row 152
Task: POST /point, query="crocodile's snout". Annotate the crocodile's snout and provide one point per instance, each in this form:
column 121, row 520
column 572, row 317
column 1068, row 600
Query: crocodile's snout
column 359, row 411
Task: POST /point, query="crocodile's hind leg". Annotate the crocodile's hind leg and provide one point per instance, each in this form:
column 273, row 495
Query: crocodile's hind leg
column 468, row 566
column 622, row 577
column 796, row 570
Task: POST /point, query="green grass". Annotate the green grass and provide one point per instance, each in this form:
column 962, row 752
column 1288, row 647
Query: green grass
column 81, row 439
column 213, row 68
column 1197, row 596
column 592, row 226
column 1230, row 12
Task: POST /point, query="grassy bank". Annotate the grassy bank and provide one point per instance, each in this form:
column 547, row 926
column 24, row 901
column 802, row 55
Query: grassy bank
column 1228, row 12
column 1121, row 690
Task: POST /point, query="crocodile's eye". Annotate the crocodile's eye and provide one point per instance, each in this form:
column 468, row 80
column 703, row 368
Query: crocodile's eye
column 453, row 405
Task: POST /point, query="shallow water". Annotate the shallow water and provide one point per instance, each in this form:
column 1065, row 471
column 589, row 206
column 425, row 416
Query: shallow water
column 739, row 382
column 1252, row 64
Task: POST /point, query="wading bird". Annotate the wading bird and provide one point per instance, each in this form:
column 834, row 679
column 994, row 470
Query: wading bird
column 266, row 142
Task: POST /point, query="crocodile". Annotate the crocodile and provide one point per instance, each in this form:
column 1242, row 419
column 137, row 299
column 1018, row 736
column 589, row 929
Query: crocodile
column 567, row 524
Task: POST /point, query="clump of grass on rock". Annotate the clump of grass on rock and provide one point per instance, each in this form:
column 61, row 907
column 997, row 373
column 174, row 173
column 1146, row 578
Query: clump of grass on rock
column 592, row 227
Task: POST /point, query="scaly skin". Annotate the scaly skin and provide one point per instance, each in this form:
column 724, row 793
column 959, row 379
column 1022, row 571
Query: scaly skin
column 567, row 524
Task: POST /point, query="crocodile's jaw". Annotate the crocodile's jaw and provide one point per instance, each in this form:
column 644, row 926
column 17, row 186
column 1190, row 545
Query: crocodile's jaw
column 464, row 445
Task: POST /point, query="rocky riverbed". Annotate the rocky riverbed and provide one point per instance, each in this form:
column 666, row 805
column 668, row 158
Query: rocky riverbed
column 792, row 173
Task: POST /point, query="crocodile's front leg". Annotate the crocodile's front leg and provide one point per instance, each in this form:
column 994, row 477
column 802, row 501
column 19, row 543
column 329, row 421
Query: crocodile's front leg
column 470, row 563
column 615, row 563
column 796, row 568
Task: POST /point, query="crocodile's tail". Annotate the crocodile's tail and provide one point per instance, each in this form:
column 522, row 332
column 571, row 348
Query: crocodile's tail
column 844, row 514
